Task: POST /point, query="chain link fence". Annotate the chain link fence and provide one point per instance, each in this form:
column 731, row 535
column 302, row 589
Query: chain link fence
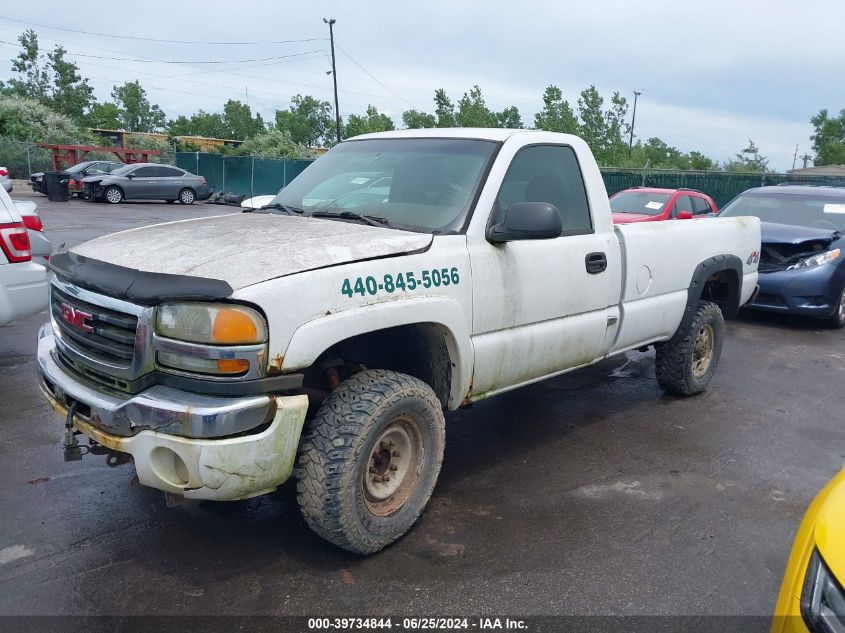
column 242, row 175
column 254, row 175
column 23, row 158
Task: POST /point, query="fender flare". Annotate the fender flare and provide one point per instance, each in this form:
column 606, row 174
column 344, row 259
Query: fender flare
column 702, row 273
column 313, row 338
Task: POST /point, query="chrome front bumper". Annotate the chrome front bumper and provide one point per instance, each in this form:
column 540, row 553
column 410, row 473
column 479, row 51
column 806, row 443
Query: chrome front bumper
column 144, row 425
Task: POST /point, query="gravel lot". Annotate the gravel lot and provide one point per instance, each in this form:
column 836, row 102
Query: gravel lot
column 590, row 493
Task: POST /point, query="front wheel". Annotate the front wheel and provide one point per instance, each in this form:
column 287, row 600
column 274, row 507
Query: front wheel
column 837, row 321
column 113, row 195
column 369, row 460
column 685, row 364
column 187, row 196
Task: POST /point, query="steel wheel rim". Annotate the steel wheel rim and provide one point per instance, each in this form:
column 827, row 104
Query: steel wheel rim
column 702, row 354
column 393, row 468
column 842, row 306
column 113, row 195
column 187, row 197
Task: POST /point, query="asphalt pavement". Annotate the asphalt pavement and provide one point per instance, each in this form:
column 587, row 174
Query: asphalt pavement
column 590, row 493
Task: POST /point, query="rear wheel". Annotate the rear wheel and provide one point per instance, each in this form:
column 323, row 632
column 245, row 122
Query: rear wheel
column 113, row 195
column 369, row 460
column 187, row 196
column 685, row 364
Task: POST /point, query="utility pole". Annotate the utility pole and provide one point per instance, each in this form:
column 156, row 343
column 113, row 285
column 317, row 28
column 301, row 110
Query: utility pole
column 633, row 121
column 806, row 158
column 331, row 23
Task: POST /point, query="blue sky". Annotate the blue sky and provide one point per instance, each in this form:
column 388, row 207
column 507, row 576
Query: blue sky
column 712, row 74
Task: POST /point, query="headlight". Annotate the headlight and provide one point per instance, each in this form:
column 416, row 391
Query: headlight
column 211, row 324
column 822, row 599
column 816, row 260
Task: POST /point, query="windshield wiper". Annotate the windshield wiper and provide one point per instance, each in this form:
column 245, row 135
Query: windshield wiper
column 275, row 207
column 372, row 220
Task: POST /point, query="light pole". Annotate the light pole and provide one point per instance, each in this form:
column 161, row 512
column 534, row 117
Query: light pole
column 633, row 121
column 334, row 77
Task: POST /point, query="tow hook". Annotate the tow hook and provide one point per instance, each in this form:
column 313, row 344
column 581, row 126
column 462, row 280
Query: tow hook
column 72, row 449
column 113, row 458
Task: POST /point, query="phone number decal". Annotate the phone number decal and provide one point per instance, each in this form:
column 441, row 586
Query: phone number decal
column 401, row 282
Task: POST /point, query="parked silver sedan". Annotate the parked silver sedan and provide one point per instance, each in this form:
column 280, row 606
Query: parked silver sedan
column 147, row 181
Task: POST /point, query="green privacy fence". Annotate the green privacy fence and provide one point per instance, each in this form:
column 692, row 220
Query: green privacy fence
column 249, row 175
column 253, row 175
column 722, row 186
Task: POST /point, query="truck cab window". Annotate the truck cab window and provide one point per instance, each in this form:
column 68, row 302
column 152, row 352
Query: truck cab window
column 547, row 173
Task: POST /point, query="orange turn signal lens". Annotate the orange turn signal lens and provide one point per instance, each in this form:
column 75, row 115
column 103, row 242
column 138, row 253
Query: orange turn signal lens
column 232, row 366
column 235, row 326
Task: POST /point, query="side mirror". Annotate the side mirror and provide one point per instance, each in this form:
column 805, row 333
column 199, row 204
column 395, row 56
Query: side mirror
column 684, row 215
column 130, row 175
column 527, row 221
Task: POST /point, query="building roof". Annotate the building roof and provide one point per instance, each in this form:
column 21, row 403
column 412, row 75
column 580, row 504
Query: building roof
column 823, row 170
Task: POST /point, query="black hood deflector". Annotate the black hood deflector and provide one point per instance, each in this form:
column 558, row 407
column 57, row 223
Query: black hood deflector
column 136, row 286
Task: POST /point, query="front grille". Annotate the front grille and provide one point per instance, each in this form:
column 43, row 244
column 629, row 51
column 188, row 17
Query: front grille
column 766, row 299
column 111, row 340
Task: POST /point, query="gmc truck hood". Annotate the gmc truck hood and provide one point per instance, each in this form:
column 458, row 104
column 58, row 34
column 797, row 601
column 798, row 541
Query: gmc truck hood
column 246, row 248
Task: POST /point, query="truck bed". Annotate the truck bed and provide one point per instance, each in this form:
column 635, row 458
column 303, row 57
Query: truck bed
column 658, row 262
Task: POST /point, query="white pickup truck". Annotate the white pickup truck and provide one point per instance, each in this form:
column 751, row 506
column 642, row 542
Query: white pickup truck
column 400, row 275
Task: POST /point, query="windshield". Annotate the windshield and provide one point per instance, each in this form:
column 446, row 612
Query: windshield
column 419, row 184
column 639, row 202
column 808, row 210
column 123, row 170
column 79, row 167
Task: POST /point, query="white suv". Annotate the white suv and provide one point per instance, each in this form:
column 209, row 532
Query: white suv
column 23, row 283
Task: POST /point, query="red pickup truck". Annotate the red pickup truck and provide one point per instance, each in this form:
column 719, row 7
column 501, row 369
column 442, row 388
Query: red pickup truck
column 649, row 204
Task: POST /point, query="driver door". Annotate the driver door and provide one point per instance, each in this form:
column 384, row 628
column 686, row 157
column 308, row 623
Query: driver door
column 541, row 306
column 143, row 183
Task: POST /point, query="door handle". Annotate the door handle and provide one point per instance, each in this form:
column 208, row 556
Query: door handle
column 596, row 263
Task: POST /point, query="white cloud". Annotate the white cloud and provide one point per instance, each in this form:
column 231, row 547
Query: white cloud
column 713, row 74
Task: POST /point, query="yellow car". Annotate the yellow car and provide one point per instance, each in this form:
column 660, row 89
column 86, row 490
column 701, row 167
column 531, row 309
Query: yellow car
column 811, row 598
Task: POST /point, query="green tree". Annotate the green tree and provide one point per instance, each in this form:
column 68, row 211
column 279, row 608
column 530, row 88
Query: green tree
column 616, row 130
column 372, row 121
column 829, row 138
column 239, row 122
column 276, row 144
column 748, row 159
column 444, row 109
column 557, row 114
column 201, row 123
column 509, row 118
column 70, row 93
column 137, row 114
column 592, row 127
column 33, row 80
column 473, row 110
column 22, row 119
column 27, row 120
column 103, row 115
column 414, row 119
column 309, row 121
column 702, row 162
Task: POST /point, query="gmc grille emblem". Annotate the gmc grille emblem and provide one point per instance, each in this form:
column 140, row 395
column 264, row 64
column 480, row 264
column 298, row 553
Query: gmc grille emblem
column 76, row 318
